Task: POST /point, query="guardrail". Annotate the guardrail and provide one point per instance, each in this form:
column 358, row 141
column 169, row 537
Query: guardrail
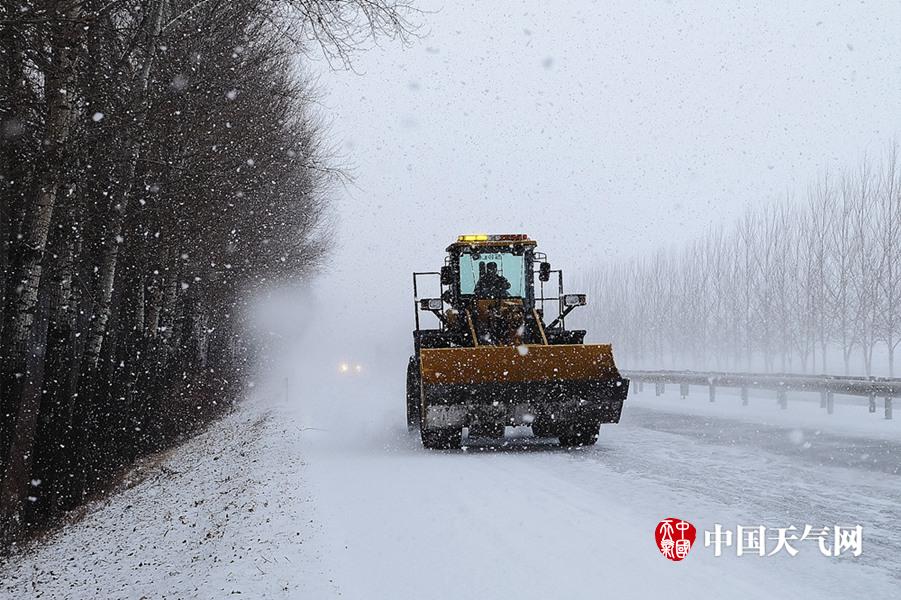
column 827, row 385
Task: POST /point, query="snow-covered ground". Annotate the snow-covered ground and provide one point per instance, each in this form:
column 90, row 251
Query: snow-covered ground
column 227, row 513
column 315, row 490
column 850, row 417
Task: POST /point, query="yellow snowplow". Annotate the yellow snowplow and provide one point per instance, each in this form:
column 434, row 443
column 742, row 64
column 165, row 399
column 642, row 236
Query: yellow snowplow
column 493, row 361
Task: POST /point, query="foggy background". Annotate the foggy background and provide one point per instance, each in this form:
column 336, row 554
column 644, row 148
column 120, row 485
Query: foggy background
column 601, row 129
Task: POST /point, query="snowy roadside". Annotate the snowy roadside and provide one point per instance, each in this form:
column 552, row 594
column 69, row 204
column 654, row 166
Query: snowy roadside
column 226, row 513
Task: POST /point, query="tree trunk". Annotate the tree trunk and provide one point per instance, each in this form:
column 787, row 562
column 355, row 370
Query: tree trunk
column 866, row 362
column 117, row 216
column 891, row 358
column 59, row 80
column 17, row 475
column 154, row 304
column 28, row 269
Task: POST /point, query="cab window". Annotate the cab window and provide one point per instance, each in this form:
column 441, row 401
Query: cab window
column 474, row 266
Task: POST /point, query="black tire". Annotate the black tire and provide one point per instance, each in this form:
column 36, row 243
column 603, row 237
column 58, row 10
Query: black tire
column 493, row 431
column 542, row 430
column 442, row 439
column 580, row 434
column 413, row 395
column 496, row 431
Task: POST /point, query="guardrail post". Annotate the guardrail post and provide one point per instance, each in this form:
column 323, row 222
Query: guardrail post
column 782, row 398
column 830, row 403
column 872, row 399
column 658, row 388
column 640, row 386
column 744, row 396
column 888, row 407
column 822, row 399
column 683, row 390
column 712, row 393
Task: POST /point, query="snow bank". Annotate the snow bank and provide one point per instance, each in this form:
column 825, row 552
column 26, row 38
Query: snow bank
column 227, row 513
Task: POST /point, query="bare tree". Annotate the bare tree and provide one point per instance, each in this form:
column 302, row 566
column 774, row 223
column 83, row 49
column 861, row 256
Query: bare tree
column 788, row 282
column 160, row 162
column 888, row 241
column 864, row 270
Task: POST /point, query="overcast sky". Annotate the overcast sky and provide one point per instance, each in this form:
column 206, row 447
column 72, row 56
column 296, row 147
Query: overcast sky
column 602, row 129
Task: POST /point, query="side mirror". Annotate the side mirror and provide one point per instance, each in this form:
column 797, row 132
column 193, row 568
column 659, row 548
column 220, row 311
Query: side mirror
column 431, row 304
column 544, row 271
column 447, row 276
column 575, row 300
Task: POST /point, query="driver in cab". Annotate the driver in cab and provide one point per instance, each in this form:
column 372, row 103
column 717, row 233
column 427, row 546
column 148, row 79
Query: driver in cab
column 491, row 284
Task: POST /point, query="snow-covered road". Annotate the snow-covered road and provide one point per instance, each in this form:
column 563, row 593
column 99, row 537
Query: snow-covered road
column 325, row 495
column 533, row 521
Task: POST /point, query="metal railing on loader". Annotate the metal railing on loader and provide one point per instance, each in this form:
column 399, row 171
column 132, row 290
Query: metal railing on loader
column 826, row 385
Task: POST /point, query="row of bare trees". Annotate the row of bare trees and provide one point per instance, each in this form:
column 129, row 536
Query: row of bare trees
column 808, row 284
column 159, row 164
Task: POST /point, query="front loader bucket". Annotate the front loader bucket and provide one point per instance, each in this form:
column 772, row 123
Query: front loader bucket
column 490, row 364
column 566, row 382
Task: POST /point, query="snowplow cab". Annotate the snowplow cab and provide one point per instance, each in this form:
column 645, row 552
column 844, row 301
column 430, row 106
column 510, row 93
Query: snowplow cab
column 494, row 360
